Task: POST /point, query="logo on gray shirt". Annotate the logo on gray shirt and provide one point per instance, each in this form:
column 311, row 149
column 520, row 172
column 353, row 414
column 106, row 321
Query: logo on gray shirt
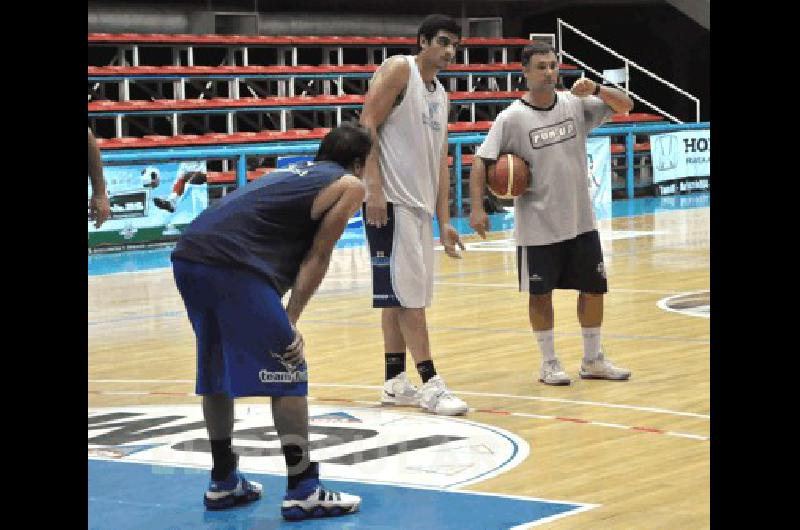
column 553, row 134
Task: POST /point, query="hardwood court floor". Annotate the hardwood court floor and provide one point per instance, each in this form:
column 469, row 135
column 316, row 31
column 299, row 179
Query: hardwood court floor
column 640, row 449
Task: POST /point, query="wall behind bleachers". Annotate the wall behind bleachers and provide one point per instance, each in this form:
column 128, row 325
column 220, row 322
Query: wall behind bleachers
column 189, row 19
column 315, row 17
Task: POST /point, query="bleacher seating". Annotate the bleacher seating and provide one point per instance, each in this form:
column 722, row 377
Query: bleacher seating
column 296, row 135
column 321, row 93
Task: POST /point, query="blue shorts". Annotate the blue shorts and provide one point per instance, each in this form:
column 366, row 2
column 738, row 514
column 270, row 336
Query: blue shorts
column 238, row 319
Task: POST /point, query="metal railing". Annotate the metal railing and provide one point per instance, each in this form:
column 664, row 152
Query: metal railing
column 628, row 63
column 241, row 152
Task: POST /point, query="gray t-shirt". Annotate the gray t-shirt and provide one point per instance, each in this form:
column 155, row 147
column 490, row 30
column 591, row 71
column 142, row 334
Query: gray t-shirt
column 557, row 207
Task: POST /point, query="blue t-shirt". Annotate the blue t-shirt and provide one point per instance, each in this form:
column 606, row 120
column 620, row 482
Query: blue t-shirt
column 265, row 226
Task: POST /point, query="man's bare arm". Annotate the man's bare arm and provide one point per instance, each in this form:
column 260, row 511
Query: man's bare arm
column 386, row 87
column 315, row 264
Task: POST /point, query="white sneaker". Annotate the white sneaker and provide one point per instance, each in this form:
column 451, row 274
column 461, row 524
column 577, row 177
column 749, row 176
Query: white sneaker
column 311, row 500
column 435, row 397
column 602, row 368
column 399, row 391
column 551, row 373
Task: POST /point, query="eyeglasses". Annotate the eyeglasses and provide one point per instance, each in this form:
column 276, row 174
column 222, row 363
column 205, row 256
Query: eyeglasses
column 444, row 42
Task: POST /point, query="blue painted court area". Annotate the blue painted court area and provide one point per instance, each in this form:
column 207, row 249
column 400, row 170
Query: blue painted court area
column 128, row 496
column 158, row 258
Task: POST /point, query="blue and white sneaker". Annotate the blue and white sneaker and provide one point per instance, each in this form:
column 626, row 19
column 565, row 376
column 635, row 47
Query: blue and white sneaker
column 309, row 499
column 233, row 490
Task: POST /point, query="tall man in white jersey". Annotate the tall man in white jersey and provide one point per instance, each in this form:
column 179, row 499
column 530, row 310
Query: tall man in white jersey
column 558, row 246
column 407, row 182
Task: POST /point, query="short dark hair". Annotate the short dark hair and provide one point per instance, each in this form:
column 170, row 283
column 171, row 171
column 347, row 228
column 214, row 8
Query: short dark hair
column 432, row 24
column 345, row 144
column 536, row 47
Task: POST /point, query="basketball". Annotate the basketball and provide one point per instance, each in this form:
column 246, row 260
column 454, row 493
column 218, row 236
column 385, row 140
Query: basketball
column 508, row 177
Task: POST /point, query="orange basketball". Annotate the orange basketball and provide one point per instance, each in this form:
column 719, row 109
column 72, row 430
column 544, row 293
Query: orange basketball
column 508, row 177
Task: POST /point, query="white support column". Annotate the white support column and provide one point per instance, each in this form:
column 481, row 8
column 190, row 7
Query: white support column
column 233, row 88
column 340, row 91
column 508, row 82
column 291, row 87
column 245, row 58
column 229, row 119
column 118, row 125
column 294, row 56
column 385, row 52
column 338, row 116
column 466, row 55
column 190, row 56
column 135, row 50
column 472, row 112
column 470, row 86
column 283, row 120
column 125, row 90
column 180, row 88
column 176, row 130
column 341, row 55
column 231, row 56
column 505, row 55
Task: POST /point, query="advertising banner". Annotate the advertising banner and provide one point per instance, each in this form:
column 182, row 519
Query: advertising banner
column 150, row 203
column 598, row 153
column 681, row 161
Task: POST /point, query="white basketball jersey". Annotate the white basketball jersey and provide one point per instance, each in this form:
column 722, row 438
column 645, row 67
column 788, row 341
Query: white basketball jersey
column 411, row 141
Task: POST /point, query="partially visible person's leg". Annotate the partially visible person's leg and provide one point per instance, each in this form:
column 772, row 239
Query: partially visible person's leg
column 412, row 279
column 585, row 272
column 305, row 496
column 397, row 389
column 196, row 285
column 538, row 269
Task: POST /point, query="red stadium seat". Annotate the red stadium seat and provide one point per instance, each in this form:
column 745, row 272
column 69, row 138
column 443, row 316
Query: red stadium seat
column 617, row 149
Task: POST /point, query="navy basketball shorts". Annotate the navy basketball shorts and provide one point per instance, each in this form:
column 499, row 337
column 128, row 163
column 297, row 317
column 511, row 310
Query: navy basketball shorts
column 401, row 254
column 238, row 321
column 571, row 264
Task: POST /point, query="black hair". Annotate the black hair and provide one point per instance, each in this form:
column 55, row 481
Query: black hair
column 536, row 47
column 432, row 24
column 346, row 144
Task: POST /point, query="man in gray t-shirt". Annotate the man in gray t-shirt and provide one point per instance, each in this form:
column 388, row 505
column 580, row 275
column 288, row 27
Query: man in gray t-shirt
column 558, row 246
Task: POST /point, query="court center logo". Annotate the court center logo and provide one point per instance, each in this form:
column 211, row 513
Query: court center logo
column 363, row 444
column 695, row 304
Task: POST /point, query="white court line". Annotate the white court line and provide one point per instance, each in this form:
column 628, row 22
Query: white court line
column 581, row 506
column 465, row 392
column 375, row 404
column 509, row 285
column 514, row 286
column 539, row 522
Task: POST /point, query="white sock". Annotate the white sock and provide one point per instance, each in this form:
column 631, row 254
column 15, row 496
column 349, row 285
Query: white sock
column 591, row 343
column 546, row 344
